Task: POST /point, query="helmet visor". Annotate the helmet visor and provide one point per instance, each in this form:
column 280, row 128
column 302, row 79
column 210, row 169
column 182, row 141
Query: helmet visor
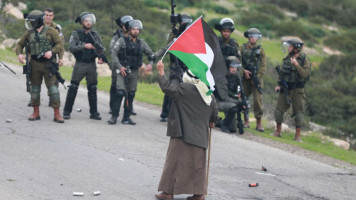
column 32, row 22
column 255, row 35
column 89, row 18
column 285, row 47
column 135, row 24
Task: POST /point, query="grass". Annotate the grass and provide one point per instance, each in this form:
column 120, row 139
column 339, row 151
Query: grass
column 151, row 93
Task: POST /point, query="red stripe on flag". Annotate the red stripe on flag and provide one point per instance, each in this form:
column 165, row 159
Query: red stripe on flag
column 192, row 40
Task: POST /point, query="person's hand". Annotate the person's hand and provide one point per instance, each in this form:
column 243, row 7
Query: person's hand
column 278, row 88
column 21, row 60
column 60, row 62
column 211, row 124
column 89, row 46
column 48, row 54
column 294, row 61
column 123, row 71
column 149, row 67
column 247, row 74
column 100, row 61
column 160, row 68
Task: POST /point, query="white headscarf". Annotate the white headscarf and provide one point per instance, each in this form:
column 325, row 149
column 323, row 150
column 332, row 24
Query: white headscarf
column 202, row 87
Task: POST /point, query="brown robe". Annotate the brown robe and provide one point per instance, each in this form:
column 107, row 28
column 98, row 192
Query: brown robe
column 188, row 126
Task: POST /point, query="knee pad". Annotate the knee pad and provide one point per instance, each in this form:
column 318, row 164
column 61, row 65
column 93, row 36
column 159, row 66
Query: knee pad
column 299, row 117
column 120, row 93
column 74, row 84
column 35, row 92
column 278, row 115
column 92, row 87
column 54, row 94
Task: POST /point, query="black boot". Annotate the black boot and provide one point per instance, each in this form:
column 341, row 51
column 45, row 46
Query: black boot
column 240, row 124
column 93, row 102
column 71, row 94
column 165, row 108
column 131, row 96
column 112, row 94
column 116, row 103
column 229, row 116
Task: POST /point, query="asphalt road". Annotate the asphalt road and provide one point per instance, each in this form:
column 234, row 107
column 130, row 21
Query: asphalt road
column 46, row 160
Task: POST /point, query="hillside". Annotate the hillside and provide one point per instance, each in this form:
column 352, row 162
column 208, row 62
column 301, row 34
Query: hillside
column 326, row 26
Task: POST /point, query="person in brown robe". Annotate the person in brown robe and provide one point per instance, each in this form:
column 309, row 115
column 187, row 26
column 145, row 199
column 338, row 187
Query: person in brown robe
column 191, row 114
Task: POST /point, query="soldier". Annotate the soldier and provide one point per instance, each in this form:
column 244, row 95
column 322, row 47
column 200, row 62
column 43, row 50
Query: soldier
column 294, row 74
column 43, row 42
column 254, row 64
column 81, row 45
column 235, row 90
column 176, row 66
column 228, row 45
column 127, row 59
column 122, row 22
column 48, row 21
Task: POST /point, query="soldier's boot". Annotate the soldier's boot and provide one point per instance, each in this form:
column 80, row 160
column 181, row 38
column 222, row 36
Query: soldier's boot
column 57, row 116
column 259, row 125
column 72, row 93
column 229, row 116
column 127, row 112
column 36, row 114
column 93, row 102
column 131, row 96
column 116, row 103
column 112, row 96
column 297, row 135
column 278, row 131
column 246, row 121
column 240, row 126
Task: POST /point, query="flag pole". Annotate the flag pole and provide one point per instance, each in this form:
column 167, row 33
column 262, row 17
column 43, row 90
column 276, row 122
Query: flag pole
column 207, row 172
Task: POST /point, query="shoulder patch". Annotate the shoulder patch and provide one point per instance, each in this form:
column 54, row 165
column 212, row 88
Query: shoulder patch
column 59, row 27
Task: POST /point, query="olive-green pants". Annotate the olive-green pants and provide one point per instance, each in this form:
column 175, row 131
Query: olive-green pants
column 257, row 97
column 132, row 79
column 40, row 72
column 297, row 100
column 87, row 70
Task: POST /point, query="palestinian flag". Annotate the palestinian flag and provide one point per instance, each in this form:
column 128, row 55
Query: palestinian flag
column 198, row 48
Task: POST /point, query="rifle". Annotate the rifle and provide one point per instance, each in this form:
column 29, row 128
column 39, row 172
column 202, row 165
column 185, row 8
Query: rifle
column 174, row 18
column 27, row 69
column 99, row 49
column 54, row 70
column 253, row 75
column 284, row 85
column 7, row 67
column 240, row 90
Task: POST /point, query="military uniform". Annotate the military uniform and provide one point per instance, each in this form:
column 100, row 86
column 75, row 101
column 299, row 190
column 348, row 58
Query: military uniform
column 295, row 77
column 85, row 66
column 254, row 56
column 128, row 53
column 229, row 48
column 40, row 42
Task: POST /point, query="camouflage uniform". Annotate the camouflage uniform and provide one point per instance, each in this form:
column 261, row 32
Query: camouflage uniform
column 296, row 77
column 250, row 57
column 40, row 42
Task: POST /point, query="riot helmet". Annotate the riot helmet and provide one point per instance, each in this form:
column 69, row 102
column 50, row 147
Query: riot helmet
column 121, row 21
column 86, row 16
column 234, row 62
column 295, row 42
column 135, row 24
column 225, row 23
column 184, row 19
column 253, row 32
column 34, row 20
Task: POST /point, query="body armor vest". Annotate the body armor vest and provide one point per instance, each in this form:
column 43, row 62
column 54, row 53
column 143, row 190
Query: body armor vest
column 39, row 42
column 131, row 54
column 228, row 49
column 290, row 72
column 250, row 57
column 85, row 55
column 232, row 82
